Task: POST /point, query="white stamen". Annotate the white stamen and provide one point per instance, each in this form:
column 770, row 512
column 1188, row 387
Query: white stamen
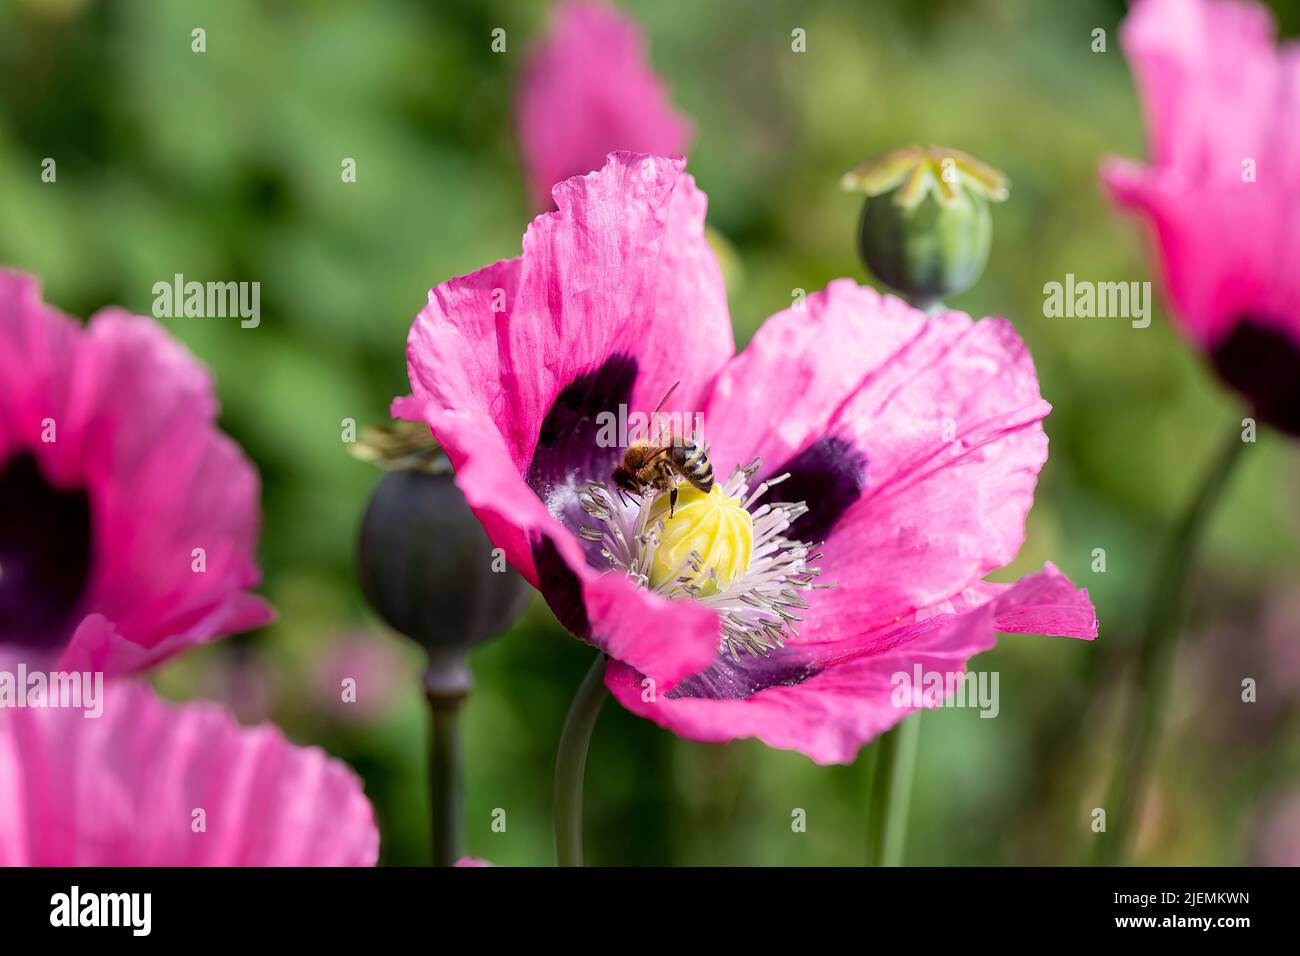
column 757, row 608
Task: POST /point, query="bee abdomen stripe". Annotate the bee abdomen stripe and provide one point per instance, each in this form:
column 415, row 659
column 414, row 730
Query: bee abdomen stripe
column 693, row 458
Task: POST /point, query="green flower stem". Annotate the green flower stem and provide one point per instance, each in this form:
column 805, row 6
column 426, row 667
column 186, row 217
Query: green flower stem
column 445, row 775
column 571, row 763
column 870, row 759
column 1155, row 657
column 890, row 792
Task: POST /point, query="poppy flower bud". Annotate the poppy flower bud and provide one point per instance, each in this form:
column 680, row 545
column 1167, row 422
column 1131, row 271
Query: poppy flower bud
column 429, row 570
column 925, row 228
column 706, row 543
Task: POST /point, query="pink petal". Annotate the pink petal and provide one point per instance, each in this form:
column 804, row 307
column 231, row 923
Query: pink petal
column 1224, row 248
column 1208, row 76
column 588, row 90
column 1044, row 603
column 1217, row 94
column 849, row 700
column 801, row 365
column 36, row 362
column 952, row 436
column 615, row 298
column 945, row 414
column 122, row 790
column 622, row 268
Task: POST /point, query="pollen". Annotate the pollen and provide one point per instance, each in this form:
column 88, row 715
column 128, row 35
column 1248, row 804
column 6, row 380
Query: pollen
column 707, row 542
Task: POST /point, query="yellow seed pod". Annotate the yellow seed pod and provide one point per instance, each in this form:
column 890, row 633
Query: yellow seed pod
column 715, row 525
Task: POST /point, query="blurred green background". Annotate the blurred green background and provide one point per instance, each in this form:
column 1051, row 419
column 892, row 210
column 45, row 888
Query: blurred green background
column 226, row 165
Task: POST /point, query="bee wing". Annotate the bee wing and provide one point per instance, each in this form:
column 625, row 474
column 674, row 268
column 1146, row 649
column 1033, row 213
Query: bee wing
column 645, row 455
column 661, row 450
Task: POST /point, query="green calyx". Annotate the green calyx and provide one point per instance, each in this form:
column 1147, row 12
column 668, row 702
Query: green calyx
column 947, row 174
column 925, row 229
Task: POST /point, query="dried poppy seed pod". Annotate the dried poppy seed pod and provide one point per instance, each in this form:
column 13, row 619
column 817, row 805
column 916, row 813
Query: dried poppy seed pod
column 925, row 228
column 429, row 570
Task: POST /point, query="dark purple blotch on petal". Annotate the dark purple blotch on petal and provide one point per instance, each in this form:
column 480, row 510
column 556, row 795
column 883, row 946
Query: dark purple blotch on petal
column 1263, row 363
column 561, row 589
column 45, row 556
column 567, row 456
column 731, row 679
column 829, row 475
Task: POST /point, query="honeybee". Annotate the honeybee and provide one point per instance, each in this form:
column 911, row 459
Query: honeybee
column 656, row 464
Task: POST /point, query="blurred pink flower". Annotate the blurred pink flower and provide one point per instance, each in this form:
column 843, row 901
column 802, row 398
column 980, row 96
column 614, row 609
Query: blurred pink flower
column 155, row 784
column 467, row 861
column 1277, row 837
column 587, row 90
column 238, row 679
column 1222, row 190
column 112, row 474
column 1281, row 626
column 1259, row 645
column 911, row 448
column 373, row 663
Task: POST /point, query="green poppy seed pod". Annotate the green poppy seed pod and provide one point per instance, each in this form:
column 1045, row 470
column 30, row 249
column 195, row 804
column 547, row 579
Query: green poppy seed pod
column 429, row 570
column 925, row 229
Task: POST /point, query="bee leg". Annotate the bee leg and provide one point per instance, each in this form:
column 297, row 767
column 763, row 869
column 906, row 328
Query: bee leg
column 672, row 501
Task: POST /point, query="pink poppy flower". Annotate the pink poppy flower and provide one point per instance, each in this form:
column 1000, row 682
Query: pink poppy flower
column 588, row 89
column 1222, row 191
column 155, row 784
column 906, row 451
column 113, row 476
